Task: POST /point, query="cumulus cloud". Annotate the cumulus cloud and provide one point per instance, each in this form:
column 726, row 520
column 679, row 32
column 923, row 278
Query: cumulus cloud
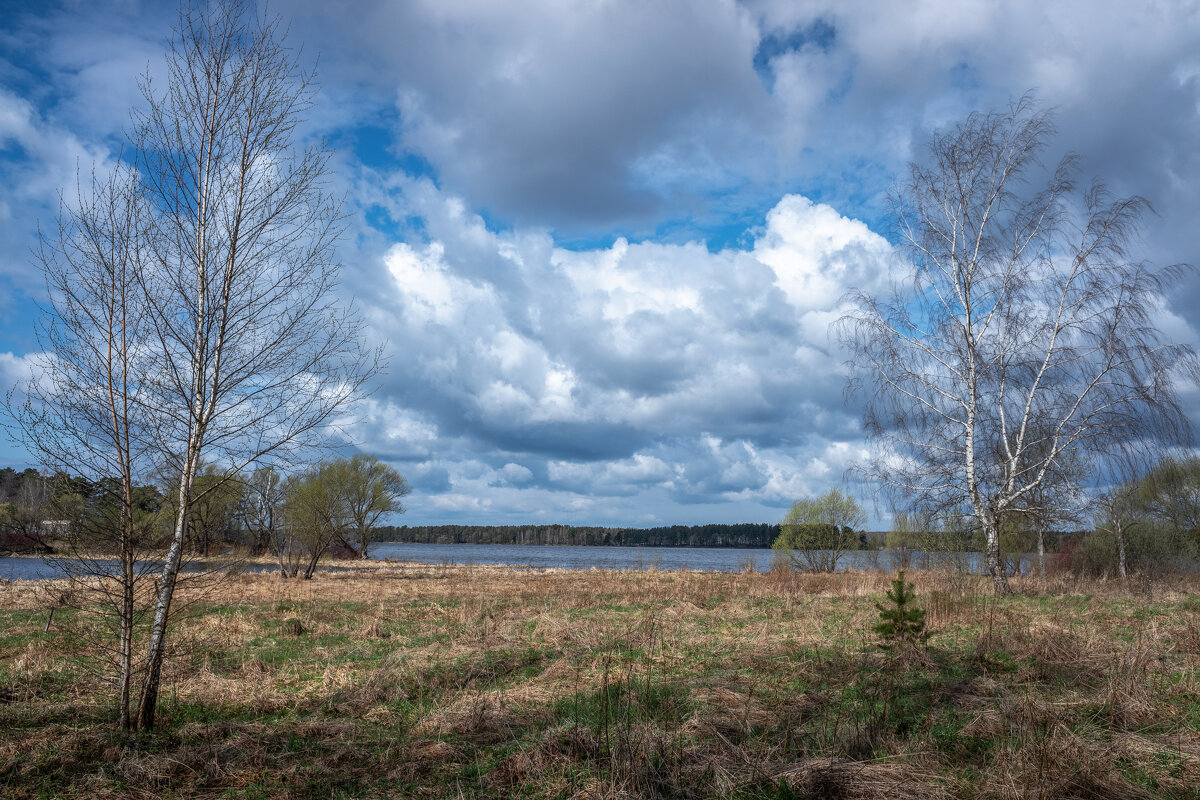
column 52, row 161
column 708, row 377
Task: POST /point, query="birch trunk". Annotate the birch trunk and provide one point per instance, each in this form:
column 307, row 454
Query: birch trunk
column 1122, row 573
column 991, row 549
column 166, row 592
column 125, row 644
column 1041, row 545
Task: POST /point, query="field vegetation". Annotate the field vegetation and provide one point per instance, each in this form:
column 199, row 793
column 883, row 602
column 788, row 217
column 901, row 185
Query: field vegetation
column 389, row 680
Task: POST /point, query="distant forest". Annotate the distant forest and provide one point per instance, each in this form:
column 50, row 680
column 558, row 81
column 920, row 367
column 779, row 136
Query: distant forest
column 746, row 534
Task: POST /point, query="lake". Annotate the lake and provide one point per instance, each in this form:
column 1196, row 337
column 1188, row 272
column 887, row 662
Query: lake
column 35, row 569
column 712, row 559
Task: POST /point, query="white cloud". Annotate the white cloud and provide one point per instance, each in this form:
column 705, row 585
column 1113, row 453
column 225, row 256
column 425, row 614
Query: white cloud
column 817, row 254
column 592, row 372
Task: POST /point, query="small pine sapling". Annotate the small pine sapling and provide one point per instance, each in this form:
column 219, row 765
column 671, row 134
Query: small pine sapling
column 900, row 620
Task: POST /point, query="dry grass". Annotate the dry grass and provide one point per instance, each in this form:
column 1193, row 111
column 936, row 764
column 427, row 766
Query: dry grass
column 397, row 681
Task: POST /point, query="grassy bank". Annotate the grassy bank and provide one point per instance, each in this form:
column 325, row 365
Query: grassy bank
column 482, row 682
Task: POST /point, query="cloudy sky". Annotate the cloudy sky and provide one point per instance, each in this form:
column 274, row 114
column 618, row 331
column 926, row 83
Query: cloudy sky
column 604, row 239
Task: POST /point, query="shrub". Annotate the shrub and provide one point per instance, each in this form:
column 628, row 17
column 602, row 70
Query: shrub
column 817, row 531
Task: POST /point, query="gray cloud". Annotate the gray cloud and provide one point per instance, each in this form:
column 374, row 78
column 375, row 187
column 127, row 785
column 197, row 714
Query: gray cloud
column 580, row 117
column 673, row 374
column 568, row 115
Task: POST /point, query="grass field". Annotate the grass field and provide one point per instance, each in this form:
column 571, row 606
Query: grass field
column 390, row 681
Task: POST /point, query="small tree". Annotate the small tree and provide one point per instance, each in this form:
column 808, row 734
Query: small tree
column 192, row 315
column 899, row 619
column 23, row 519
column 906, row 535
column 817, row 531
column 253, row 353
column 316, row 514
column 372, row 489
column 1117, row 515
column 213, row 516
column 86, row 410
column 1170, row 494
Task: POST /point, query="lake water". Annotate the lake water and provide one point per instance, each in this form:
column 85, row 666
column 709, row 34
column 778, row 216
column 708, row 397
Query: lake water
column 35, row 569
column 713, row 559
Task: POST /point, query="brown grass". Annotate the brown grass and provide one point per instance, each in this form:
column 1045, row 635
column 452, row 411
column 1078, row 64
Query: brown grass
column 393, row 681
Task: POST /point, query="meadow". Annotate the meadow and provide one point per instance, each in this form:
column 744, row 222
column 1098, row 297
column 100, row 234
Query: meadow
column 392, row 680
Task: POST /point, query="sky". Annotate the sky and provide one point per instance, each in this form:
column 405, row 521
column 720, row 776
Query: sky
column 604, row 240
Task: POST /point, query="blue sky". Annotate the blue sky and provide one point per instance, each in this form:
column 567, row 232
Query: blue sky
column 604, row 240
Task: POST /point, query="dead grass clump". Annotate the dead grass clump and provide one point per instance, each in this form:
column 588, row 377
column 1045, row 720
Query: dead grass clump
column 329, row 730
column 989, row 723
column 1130, row 700
column 983, row 686
column 830, row 584
column 1054, row 653
column 839, row 779
column 256, row 669
column 36, row 658
column 560, row 671
column 376, row 630
column 725, row 713
column 1059, row 765
column 206, row 753
column 1187, row 636
column 782, row 581
column 1177, row 757
column 157, row 770
column 483, row 720
column 641, row 760
column 234, row 625
column 572, row 741
column 335, row 679
column 538, row 769
column 240, row 689
column 1128, row 707
column 55, row 749
column 430, row 751
column 943, row 607
column 384, row 686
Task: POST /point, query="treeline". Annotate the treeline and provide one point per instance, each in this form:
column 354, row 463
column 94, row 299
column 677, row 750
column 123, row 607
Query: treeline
column 747, row 534
column 332, row 507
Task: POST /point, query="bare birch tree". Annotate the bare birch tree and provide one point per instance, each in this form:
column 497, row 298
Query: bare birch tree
column 254, row 354
column 1026, row 328
column 1117, row 513
column 83, row 411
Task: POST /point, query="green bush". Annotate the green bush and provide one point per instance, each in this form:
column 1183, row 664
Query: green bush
column 817, row 531
column 1149, row 548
